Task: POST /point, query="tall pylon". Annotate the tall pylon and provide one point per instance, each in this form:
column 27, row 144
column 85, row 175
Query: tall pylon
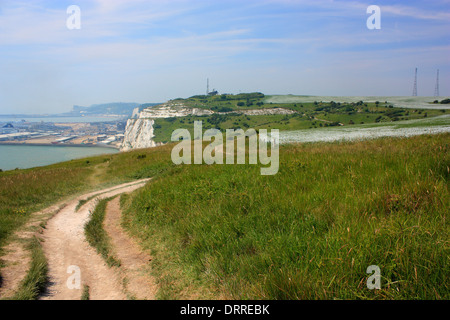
column 415, row 85
column 207, row 86
column 436, row 89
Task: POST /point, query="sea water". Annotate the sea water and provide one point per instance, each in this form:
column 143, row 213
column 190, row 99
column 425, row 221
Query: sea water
column 29, row 156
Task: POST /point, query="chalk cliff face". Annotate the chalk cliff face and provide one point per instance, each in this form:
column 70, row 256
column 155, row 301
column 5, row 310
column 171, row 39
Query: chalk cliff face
column 139, row 133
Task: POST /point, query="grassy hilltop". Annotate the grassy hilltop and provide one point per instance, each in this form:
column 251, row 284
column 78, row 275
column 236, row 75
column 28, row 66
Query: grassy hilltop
column 308, row 232
column 308, row 115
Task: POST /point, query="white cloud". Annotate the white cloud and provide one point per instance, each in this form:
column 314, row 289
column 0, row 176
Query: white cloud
column 416, row 13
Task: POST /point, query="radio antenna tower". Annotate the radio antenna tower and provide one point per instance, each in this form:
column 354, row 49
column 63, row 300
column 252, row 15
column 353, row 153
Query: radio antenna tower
column 415, row 85
column 436, row 89
column 207, row 86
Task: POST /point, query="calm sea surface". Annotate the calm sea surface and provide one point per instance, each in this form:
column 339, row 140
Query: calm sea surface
column 24, row 157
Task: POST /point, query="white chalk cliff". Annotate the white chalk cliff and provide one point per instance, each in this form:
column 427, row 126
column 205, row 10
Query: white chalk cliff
column 139, row 133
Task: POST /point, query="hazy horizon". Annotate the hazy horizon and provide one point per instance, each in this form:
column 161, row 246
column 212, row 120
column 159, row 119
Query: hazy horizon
column 421, row 102
column 153, row 51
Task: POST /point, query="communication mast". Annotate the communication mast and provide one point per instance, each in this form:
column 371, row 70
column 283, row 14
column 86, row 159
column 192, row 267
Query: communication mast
column 436, row 89
column 415, row 85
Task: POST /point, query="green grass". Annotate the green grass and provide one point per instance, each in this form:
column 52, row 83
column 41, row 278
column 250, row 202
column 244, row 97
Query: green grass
column 82, row 202
column 243, row 101
column 310, row 231
column 98, row 237
column 85, row 295
column 36, row 279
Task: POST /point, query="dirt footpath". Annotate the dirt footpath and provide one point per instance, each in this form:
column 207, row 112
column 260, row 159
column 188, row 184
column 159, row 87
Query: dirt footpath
column 71, row 258
column 134, row 264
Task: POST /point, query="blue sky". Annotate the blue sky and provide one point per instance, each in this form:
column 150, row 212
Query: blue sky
column 156, row 50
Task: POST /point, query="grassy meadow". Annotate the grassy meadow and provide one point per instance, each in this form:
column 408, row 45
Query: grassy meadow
column 308, row 232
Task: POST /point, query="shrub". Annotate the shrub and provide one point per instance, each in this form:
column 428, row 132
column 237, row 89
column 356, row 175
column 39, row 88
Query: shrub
column 225, row 109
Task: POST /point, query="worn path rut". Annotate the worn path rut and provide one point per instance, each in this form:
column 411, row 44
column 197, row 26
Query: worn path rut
column 67, row 251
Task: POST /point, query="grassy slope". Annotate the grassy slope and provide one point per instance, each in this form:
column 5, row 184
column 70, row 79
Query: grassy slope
column 308, row 232
column 25, row 191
